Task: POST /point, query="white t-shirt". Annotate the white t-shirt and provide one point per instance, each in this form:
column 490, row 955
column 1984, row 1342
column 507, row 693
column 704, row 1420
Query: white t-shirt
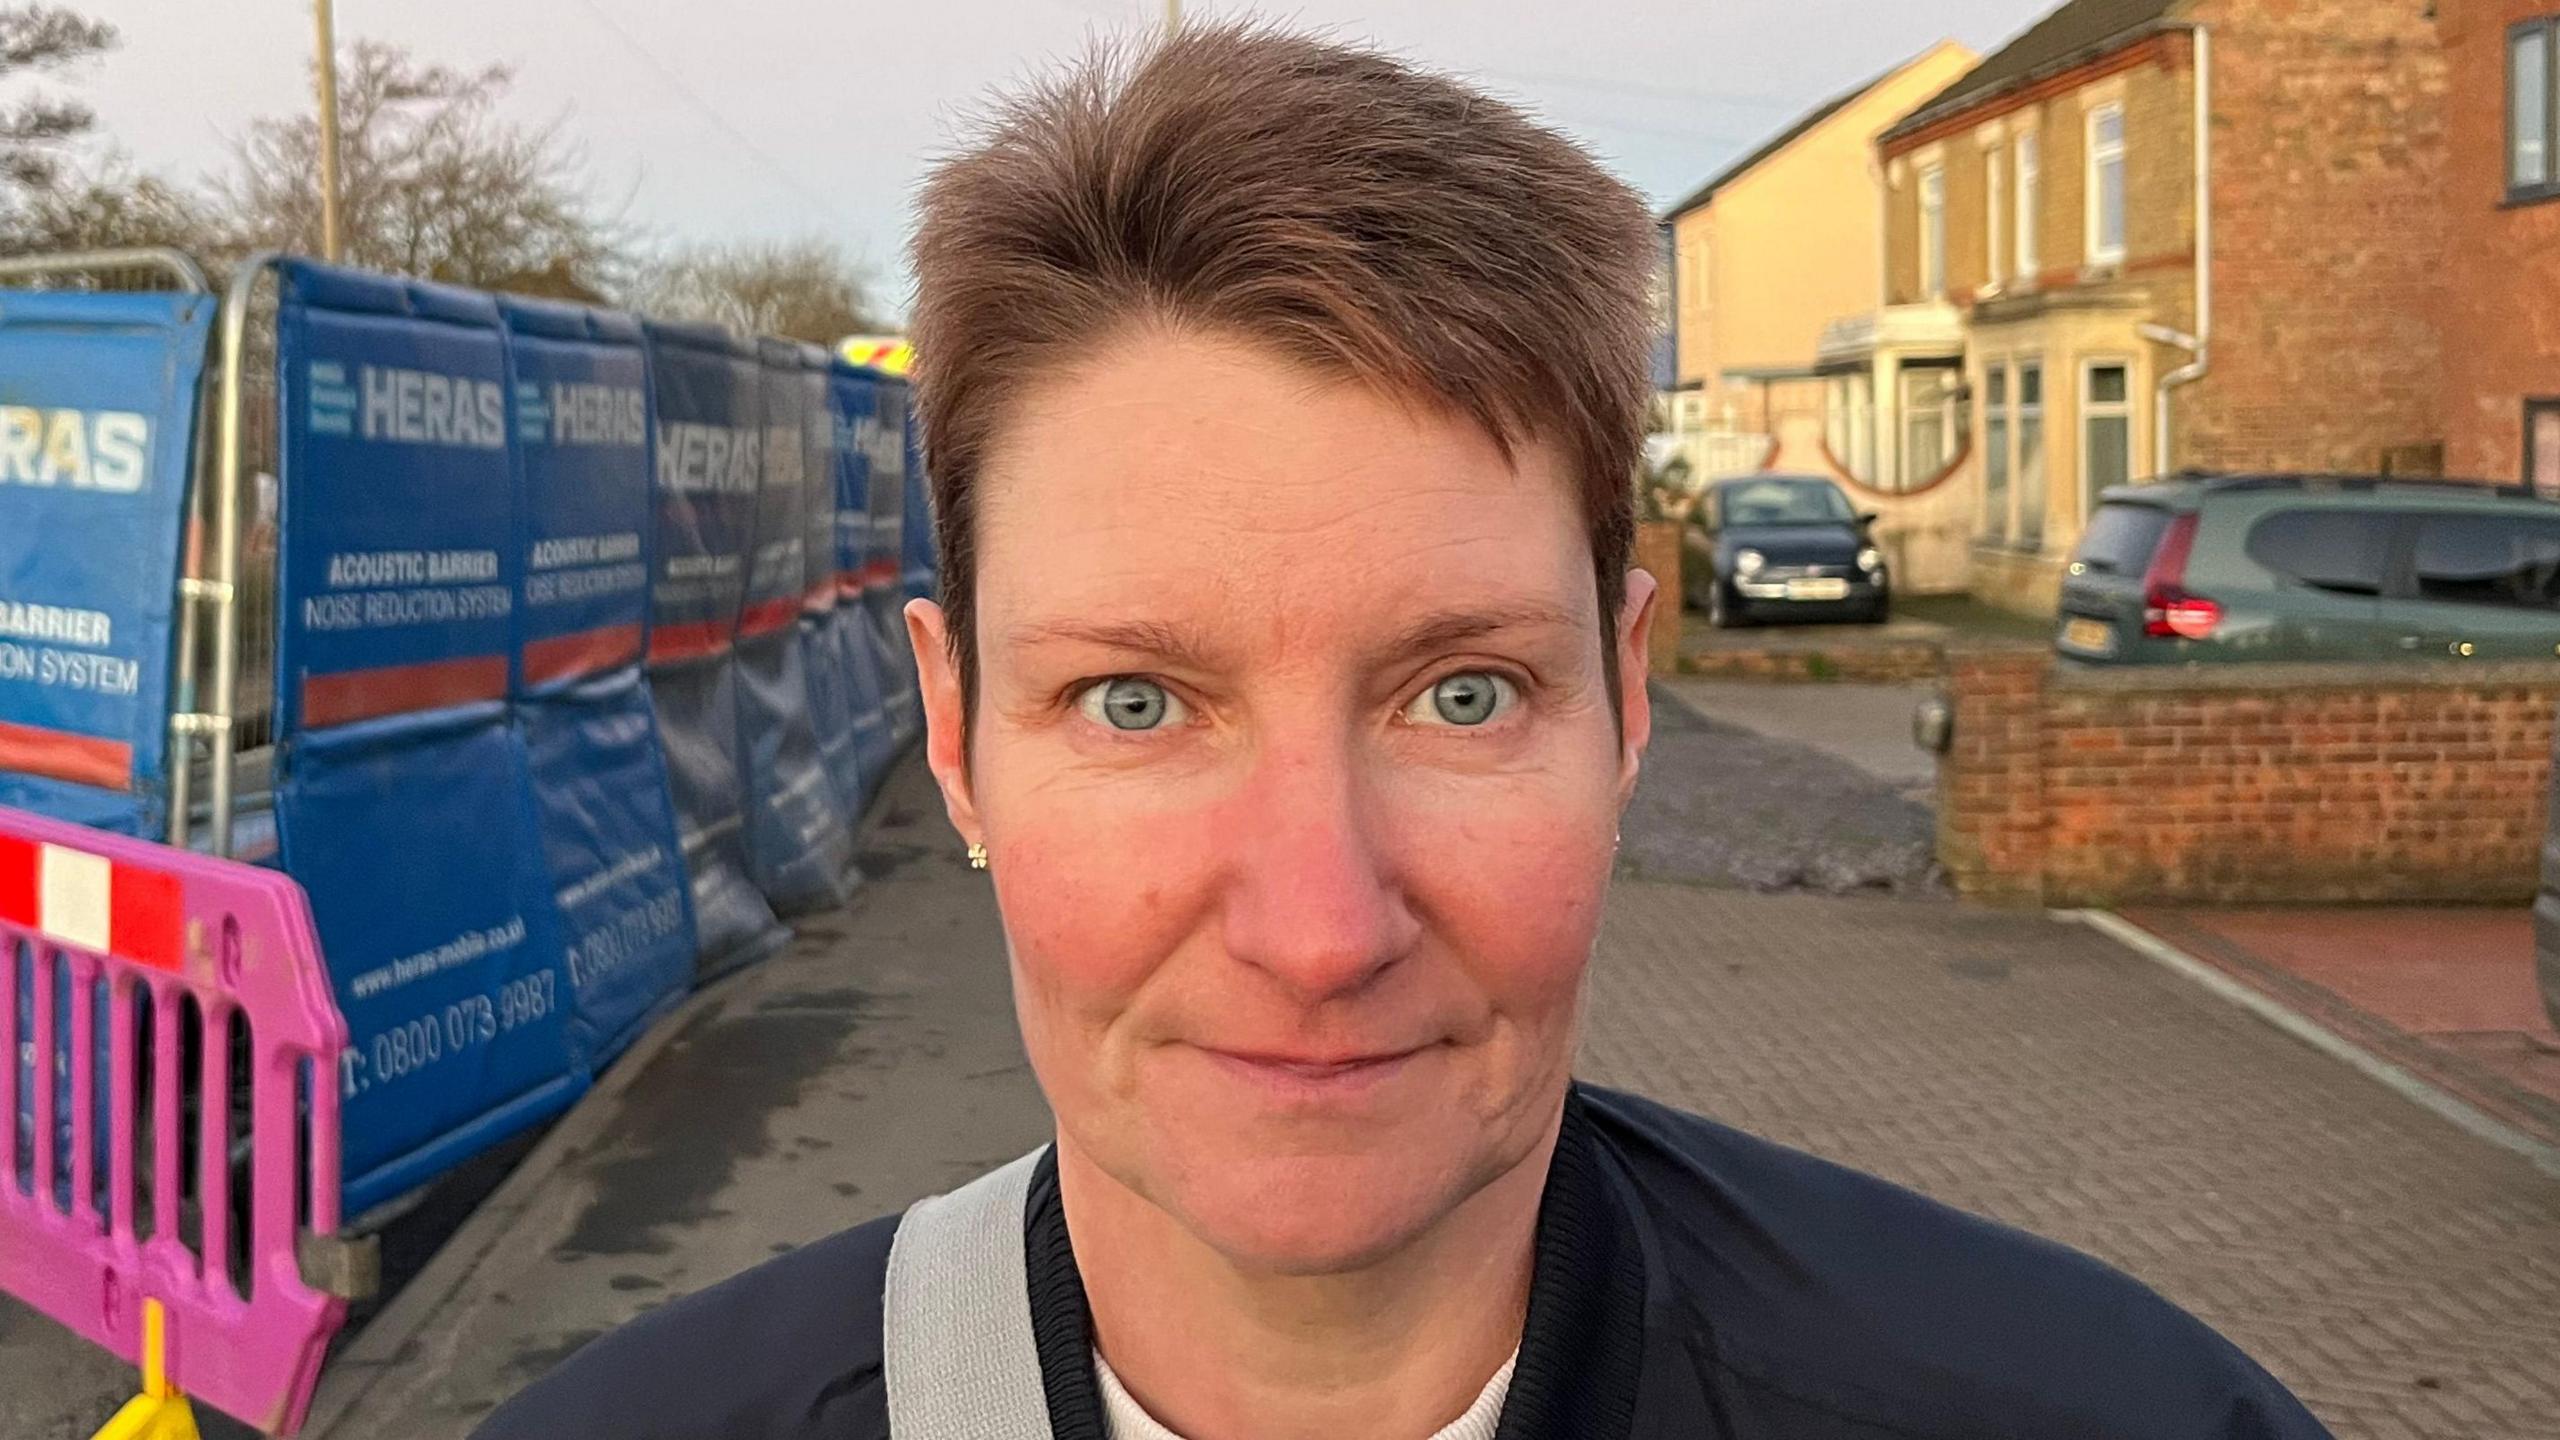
column 1130, row 1421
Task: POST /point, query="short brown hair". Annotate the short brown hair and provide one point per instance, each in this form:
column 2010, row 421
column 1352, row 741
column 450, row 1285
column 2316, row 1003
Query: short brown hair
column 1357, row 215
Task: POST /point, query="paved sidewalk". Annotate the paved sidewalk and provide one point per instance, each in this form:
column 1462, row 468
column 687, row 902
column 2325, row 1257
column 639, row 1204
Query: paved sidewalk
column 2401, row 1275
column 2447, row 993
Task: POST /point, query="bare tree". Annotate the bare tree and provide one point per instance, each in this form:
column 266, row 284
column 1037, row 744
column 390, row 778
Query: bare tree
column 434, row 182
column 803, row 289
column 106, row 205
column 39, row 39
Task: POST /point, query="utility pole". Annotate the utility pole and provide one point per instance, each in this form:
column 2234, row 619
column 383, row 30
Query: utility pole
column 332, row 242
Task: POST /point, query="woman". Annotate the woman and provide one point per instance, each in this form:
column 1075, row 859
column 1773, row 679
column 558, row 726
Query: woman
column 1289, row 682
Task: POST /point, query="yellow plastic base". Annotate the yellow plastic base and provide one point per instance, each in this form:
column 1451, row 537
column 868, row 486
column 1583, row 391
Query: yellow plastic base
column 159, row 1412
column 152, row 1417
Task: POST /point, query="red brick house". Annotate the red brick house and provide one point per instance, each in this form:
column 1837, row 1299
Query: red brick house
column 2139, row 292
column 2502, row 222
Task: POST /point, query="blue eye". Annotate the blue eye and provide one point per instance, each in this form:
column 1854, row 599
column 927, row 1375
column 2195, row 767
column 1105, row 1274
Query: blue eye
column 1129, row 703
column 1468, row 699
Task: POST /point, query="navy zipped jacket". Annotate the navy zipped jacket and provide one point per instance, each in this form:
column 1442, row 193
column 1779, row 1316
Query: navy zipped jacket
column 1691, row 1283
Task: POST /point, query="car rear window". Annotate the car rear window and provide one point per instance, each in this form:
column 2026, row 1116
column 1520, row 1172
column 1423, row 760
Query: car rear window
column 2344, row 551
column 2121, row 538
column 2508, row 561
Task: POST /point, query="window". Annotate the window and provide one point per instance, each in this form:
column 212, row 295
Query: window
column 1929, row 424
column 2533, row 144
column 1995, row 193
column 2106, row 185
column 2031, row 494
column 1933, row 232
column 2511, row 562
column 1850, row 423
column 2106, row 428
column 2030, row 193
column 2121, row 538
column 2345, row 551
column 1995, row 452
column 2542, row 447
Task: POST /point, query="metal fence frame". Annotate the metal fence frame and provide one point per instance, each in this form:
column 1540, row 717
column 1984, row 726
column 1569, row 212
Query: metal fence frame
column 176, row 265
column 212, row 602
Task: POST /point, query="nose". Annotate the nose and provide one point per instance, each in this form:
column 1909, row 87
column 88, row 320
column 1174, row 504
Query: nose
column 1312, row 897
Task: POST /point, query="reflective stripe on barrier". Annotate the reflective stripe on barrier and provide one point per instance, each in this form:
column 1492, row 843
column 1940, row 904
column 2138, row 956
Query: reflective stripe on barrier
column 94, row 928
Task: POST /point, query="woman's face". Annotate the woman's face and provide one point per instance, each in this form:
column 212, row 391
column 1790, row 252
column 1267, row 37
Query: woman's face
column 1295, row 759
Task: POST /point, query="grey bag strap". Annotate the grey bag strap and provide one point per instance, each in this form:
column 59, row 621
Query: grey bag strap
column 958, row 1352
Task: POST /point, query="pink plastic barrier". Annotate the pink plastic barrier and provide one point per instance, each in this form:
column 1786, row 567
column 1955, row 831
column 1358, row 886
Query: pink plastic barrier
column 136, row 931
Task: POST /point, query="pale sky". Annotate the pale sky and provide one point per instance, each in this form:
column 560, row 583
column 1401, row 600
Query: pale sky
column 726, row 118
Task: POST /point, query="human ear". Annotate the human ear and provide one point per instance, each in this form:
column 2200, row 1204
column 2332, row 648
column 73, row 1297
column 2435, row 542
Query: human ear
column 1635, row 662
column 946, row 719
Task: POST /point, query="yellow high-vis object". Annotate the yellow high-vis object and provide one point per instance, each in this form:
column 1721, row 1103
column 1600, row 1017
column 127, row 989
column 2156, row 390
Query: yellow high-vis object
column 889, row 354
column 159, row 1412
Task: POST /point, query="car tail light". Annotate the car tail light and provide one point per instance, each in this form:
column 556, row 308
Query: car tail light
column 2169, row 612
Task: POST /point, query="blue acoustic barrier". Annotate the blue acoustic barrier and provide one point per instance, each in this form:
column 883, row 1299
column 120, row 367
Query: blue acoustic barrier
column 98, row 404
column 799, row 841
column 404, row 800
column 708, row 393
column 602, row 807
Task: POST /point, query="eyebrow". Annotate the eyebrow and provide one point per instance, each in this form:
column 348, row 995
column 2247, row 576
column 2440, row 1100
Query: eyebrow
column 1184, row 645
column 1438, row 632
column 1180, row 644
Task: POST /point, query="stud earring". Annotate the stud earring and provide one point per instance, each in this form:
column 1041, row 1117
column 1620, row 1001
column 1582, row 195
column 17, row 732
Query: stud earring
column 977, row 856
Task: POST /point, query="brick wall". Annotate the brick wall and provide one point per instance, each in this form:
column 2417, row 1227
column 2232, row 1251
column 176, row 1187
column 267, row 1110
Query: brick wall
column 2257, row 784
column 2150, row 80
column 2500, row 346
column 2329, row 149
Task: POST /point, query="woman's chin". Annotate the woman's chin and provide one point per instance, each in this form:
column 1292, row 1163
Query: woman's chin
column 1312, row 1214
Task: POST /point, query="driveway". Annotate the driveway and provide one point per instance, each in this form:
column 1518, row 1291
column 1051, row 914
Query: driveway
column 1784, row 788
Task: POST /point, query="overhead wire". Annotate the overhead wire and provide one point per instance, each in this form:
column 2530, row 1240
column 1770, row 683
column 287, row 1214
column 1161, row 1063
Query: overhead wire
column 772, row 166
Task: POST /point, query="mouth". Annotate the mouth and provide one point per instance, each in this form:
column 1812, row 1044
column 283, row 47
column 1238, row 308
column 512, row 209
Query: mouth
column 1308, row 1076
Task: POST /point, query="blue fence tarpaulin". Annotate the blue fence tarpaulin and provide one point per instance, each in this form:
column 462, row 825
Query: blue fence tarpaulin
column 707, row 392
column 851, row 394
column 607, row 825
column 410, row 834
column 915, row 534
column 399, row 576
column 888, row 452
column 98, row 403
column 831, row 702
column 799, row 844
column 580, row 383
column 616, row 868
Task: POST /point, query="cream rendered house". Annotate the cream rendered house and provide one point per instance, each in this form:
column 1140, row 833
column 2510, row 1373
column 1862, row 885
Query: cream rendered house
column 1783, row 241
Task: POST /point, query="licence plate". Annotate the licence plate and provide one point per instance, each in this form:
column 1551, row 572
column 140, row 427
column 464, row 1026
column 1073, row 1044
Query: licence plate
column 2090, row 637
column 1817, row 589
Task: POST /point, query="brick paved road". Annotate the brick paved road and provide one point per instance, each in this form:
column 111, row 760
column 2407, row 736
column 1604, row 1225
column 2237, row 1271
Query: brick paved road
column 2403, row 1277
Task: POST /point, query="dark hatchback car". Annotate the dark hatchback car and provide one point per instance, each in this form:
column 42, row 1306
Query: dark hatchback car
column 2301, row 567
column 1783, row 547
